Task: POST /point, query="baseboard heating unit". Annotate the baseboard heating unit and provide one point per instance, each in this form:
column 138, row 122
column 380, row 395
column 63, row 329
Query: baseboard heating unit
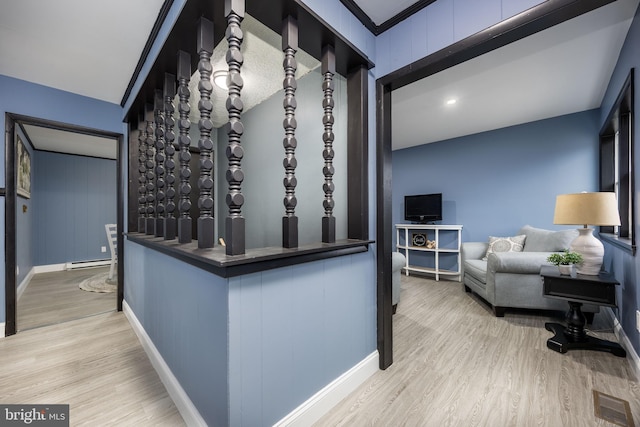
column 86, row 264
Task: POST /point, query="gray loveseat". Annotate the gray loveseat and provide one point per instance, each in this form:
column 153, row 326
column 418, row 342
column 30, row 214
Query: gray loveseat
column 512, row 279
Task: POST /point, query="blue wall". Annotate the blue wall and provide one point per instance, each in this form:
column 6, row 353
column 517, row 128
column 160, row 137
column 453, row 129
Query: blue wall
column 623, row 264
column 294, row 329
column 73, row 198
column 495, row 182
column 24, row 98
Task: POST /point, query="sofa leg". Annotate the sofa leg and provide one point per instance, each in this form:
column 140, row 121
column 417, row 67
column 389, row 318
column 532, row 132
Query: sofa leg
column 499, row 311
column 394, row 308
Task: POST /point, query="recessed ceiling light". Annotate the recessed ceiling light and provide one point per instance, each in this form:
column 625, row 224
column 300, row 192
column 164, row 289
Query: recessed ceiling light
column 220, row 79
column 451, row 101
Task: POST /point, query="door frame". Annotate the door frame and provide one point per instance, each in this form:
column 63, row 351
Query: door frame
column 531, row 21
column 11, row 121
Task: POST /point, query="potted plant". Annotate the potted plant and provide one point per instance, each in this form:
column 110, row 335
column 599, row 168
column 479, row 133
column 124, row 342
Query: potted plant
column 565, row 260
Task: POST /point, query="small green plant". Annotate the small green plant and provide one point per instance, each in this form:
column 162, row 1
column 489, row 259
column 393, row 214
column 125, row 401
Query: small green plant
column 565, row 258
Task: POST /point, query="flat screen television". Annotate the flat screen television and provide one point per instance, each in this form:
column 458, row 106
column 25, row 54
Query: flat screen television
column 423, row 208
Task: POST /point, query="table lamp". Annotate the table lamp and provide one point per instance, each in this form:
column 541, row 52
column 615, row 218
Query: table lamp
column 587, row 209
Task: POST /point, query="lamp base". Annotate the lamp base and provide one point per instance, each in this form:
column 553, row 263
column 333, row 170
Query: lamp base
column 592, row 252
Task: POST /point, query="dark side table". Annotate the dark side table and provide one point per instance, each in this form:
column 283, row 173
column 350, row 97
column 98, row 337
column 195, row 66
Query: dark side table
column 578, row 289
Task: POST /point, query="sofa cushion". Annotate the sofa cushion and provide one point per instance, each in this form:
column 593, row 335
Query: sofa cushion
column 505, row 244
column 540, row 240
column 476, row 268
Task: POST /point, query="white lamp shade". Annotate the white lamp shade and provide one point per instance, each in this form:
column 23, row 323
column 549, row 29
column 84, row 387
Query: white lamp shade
column 587, row 209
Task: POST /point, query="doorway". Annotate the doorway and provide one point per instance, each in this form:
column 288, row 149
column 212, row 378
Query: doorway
column 51, row 234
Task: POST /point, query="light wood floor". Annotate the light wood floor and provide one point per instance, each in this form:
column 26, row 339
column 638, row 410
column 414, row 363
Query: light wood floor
column 95, row 364
column 54, row 297
column 455, row 364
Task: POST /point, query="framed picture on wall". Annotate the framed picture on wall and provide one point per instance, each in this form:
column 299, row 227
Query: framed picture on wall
column 23, row 166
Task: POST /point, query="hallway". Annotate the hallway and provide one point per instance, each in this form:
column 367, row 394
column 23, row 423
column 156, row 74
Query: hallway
column 95, row 364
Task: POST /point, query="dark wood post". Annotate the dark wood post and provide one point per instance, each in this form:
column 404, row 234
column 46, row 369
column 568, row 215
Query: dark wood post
column 149, row 166
column 158, row 103
column 234, row 224
column 289, row 47
column 328, row 71
column 206, row 225
column 184, row 142
column 142, row 178
column 169, row 93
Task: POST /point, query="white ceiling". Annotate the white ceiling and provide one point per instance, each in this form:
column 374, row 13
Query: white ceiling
column 562, row 70
column 71, row 44
column 48, row 139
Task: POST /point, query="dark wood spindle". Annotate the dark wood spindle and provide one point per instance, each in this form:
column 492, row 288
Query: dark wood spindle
column 206, row 225
column 234, row 224
column 184, row 142
column 289, row 47
column 169, row 93
column 160, row 157
column 328, row 85
column 149, row 172
column 142, row 178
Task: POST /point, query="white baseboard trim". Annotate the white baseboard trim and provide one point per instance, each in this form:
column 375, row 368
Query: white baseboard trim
column 625, row 342
column 324, row 400
column 25, row 282
column 2, row 328
column 186, row 408
column 37, row 269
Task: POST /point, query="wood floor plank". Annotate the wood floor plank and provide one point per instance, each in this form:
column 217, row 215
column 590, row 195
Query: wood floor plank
column 95, row 364
column 55, row 297
column 455, row 364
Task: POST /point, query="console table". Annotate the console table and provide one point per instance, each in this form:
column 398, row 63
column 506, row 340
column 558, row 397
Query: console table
column 413, row 239
column 578, row 289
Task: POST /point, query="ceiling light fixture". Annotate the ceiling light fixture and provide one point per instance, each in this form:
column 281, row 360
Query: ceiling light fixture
column 451, row 101
column 220, row 79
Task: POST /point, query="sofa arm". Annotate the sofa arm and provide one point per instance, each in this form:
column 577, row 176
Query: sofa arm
column 473, row 250
column 517, row 262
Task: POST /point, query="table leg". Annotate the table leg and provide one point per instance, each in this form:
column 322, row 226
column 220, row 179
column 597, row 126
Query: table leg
column 574, row 337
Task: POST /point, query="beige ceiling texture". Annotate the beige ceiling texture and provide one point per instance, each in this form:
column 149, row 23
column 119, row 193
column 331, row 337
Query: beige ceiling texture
column 261, row 72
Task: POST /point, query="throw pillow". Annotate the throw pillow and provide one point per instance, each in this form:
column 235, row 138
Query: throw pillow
column 505, row 244
column 541, row 240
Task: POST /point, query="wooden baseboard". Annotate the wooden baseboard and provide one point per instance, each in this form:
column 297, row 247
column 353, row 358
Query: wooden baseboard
column 624, row 342
column 324, row 400
column 186, row 408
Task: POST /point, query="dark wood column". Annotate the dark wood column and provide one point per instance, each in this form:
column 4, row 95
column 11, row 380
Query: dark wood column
column 206, row 225
column 149, row 172
column 184, row 142
column 328, row 85
column 158, row 103
column 142, row 175
column 169, row 92
column 234, row 223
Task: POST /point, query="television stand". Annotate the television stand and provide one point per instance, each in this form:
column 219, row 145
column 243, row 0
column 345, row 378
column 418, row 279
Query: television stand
column 430, row 249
